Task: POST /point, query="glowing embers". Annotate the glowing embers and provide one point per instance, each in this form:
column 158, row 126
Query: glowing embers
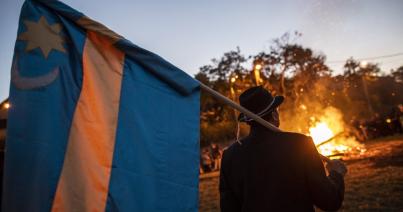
column 328, row 134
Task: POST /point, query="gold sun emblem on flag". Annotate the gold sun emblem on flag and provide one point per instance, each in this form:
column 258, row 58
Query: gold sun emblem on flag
column 42, row 35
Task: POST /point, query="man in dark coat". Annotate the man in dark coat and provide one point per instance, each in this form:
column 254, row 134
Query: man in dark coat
column 276, row 171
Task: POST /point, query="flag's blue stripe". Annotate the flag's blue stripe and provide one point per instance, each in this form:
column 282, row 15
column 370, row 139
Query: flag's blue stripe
column 153, row 63
column 39, row 120
column 161, row 68
column 156, row 158
column 61, row 8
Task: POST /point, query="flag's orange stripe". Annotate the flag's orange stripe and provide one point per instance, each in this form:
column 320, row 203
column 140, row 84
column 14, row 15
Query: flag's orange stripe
column 84, row 181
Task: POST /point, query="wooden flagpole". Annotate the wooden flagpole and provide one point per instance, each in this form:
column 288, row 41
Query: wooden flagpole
column 246, row 111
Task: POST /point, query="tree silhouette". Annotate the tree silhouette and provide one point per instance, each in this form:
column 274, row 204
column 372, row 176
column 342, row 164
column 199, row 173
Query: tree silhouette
column 361, row 73
column 230, row 62
column 302, row 75
column 398, row 74
column 288, row 58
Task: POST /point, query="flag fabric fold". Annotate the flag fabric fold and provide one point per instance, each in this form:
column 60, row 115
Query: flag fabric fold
column 97, row 123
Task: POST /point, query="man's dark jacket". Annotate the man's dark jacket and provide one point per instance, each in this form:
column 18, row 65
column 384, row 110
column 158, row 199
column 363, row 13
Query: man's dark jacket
column 277, row 171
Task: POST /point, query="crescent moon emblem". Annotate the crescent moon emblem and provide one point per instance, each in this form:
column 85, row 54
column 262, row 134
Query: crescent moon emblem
column 28, row 83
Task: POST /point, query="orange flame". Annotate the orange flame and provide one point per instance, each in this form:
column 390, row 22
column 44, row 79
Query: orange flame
column 326, row 127
column 320, row 132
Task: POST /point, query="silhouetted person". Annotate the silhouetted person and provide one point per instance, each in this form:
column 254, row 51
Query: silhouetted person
column 276, row 171
column 216, row 156
column 207, row 163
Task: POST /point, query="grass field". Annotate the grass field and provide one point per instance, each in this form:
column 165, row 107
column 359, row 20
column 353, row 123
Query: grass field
column 375, row 179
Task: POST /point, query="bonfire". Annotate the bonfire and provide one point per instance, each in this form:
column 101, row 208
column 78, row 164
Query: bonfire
column 329, row 135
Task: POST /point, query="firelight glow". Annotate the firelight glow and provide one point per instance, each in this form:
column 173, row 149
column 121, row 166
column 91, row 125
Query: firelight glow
column 258, row 66
column 330, row 125
column 7, row 105
column 320, row 132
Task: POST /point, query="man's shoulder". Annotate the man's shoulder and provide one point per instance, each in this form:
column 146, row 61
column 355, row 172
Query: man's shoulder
column 233, row 147
column 290, row 137
column 236, row 147
column 294, row 136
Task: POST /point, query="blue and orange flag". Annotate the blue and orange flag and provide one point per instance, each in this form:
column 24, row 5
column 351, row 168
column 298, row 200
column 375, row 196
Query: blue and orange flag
column 97, row 123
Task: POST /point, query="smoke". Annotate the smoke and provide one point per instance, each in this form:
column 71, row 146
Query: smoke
column 311, row 111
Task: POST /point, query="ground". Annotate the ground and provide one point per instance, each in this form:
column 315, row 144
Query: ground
column 374, row 181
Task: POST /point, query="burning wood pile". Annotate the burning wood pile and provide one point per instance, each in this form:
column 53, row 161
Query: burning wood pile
column 332, row 137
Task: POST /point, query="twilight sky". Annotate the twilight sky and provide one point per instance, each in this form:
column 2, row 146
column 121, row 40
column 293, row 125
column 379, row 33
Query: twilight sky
column 189, row 33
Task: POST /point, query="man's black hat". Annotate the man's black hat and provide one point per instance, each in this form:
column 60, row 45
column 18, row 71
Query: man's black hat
column 259, row 101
